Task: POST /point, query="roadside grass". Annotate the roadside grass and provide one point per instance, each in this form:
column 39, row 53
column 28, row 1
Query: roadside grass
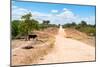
column 34, row 53
column 80, row 36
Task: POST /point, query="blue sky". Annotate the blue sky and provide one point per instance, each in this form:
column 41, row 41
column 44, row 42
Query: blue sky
column 56, row 13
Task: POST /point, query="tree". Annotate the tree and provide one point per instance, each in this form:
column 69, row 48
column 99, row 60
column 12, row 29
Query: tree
column 46, row 22
column 26, row 25
column 83, row 23
column 35, row 24
column 73, row 24
column 14, row 28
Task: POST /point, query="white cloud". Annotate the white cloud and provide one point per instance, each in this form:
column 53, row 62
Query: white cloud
column 89, row 20
column 54, row 11
column 66, row 16
column 17, row 12
column 14, row 7
column 65, row 9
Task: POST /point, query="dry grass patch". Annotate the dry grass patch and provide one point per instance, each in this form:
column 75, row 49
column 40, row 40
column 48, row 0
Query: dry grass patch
column 29, row 52
column 28, row 56
column 75, row 34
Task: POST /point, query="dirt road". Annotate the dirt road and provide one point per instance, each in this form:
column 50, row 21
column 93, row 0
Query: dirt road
column 68, row 50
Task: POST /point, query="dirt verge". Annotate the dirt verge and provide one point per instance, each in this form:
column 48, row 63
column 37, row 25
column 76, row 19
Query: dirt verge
column 24, row 56
column 29, row 52
column 80, row 36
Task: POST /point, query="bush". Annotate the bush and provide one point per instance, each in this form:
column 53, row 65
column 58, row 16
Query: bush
column 83, row 27
column 27, row 25
column 87, row 29
column 15, row 28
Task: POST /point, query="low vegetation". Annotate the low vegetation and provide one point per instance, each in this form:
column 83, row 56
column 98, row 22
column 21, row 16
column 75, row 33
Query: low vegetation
column 83, row 27
column 26, row 25
column 34, row 51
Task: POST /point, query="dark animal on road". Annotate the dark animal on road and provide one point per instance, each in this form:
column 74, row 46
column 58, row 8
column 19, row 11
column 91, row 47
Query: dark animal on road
column 32, row 36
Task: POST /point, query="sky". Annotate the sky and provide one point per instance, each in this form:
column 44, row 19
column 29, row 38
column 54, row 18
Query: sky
column 56, row 13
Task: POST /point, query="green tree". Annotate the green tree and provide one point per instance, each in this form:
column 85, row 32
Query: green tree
column 15, row 28
column 46, row 22
column 73, row 24
column 26, row 25
column 83, row 23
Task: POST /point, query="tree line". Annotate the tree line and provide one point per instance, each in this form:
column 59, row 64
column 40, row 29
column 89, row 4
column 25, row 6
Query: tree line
column 89, row 29
column 26, row 25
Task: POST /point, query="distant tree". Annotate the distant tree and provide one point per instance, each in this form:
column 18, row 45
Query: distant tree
column 83, row 23
column 59, row 25
column 73, row 24
column 46, row 22
column 94, row 25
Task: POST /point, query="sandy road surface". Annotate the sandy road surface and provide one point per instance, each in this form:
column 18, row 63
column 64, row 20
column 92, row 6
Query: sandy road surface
column 68, row 50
